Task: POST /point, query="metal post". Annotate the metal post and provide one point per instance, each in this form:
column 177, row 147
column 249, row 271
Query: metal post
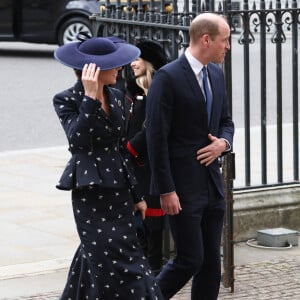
column 228, row 171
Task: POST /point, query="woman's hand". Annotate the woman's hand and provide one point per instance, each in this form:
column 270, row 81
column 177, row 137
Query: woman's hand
column 89, row 78
column 141, row 206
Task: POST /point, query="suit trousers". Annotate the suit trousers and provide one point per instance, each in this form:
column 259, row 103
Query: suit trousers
column 197, row 238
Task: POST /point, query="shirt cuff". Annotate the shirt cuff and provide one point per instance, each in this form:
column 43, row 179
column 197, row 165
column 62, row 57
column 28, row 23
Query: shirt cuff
column 228, row 146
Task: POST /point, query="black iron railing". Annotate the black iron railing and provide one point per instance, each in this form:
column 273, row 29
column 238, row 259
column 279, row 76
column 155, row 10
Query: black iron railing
column 262, row 72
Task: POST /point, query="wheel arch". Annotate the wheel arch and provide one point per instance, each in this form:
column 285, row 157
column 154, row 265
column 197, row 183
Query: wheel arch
column 68, row 16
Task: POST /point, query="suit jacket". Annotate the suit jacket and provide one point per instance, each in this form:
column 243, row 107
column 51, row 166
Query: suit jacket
column 177, row 126
column 96, row 140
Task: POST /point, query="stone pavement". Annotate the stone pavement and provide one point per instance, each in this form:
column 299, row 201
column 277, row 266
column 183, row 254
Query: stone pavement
column 38, row 238
column 276, row 279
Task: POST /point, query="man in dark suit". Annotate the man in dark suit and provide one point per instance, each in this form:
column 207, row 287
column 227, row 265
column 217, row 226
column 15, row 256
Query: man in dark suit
column 185, row 140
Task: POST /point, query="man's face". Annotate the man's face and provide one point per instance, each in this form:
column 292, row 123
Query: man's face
column 220, row 44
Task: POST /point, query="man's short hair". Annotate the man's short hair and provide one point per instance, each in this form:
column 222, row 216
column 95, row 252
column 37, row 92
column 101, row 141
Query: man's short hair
column 206, row 23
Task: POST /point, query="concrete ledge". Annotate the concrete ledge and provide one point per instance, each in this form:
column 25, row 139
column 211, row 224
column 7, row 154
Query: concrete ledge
column 33, row 269
column 257, row 209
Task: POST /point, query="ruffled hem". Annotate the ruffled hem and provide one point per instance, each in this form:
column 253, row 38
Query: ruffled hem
column 90, row 169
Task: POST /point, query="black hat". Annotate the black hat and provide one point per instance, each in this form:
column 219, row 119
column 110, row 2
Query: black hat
column 106, row 53
column 153, row 52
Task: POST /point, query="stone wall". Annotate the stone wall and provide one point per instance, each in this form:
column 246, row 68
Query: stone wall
column 264, row 208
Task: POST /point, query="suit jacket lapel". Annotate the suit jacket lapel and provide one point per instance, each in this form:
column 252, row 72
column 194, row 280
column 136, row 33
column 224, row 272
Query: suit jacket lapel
column 214, row 89
column 191, row 78
column 117, row 111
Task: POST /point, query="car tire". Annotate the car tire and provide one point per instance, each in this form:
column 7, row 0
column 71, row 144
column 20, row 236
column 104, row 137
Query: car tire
column 69, row 30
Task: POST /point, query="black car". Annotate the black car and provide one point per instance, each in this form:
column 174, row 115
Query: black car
column 45, row 21
column 53, row 21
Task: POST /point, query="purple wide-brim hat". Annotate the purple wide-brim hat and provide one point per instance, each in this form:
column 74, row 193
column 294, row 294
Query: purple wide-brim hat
column 106, row 53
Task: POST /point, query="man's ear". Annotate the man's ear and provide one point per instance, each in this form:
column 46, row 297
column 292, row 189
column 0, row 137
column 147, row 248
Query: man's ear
column 205, row 40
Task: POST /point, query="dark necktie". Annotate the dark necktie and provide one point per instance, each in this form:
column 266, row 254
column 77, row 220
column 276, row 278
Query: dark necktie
column 207, row 92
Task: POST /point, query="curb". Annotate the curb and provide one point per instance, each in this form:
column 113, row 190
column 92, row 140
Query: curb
column 34, row 151
column 33, row 269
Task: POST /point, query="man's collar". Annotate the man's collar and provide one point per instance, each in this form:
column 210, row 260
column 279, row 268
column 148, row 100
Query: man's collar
column 195, row 64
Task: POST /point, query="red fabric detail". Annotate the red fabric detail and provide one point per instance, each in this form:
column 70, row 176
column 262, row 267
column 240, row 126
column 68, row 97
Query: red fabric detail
column 131, row 150
column 154, row 212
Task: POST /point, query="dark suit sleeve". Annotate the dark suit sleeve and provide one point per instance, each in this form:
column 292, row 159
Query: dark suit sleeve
column 158, row 119
column 226, row 129
column 226, row 125
column 138, row 144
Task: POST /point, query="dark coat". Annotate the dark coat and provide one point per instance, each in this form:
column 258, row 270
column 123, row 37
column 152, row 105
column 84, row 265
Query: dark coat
column 96, row 140
column 135, row 106
column 177, row 126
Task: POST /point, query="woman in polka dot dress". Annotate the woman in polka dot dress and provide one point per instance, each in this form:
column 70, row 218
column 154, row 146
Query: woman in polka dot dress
column 108, row 263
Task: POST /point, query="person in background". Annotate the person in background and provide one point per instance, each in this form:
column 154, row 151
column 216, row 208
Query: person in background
column 109, row 263
column 151, row 59
column 189, row 126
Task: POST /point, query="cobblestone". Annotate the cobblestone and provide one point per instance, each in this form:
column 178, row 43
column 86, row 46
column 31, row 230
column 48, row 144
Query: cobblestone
column 271, row 280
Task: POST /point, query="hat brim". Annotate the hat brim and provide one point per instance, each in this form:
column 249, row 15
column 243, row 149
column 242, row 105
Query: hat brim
column 70, row 56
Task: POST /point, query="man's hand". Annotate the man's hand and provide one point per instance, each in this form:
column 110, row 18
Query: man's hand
column 170, row 203
column 211, row 152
